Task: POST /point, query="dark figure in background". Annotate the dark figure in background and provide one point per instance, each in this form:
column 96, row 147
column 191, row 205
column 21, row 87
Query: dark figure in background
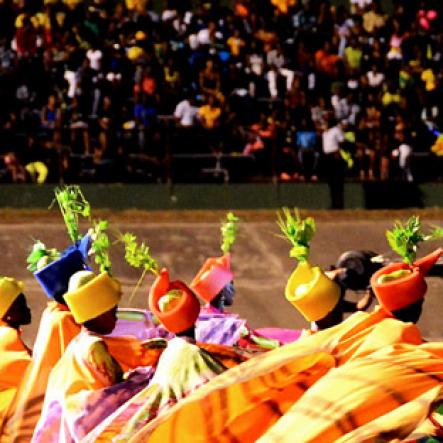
column 334, row 166
column 353, row 271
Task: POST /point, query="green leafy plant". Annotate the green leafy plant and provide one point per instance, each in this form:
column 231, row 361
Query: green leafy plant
column 138, row 256
column 40, row 256
column 297, row 231
column 405, row 238
column 436, row 234
column 72, row 204
column 100, row 246
column 229, row 229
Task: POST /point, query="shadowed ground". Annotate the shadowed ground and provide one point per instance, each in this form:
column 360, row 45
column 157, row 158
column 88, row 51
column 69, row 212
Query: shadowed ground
column 183, row 241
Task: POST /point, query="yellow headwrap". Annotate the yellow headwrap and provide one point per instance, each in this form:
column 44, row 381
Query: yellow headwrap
column 312, row 292
column 92, row 296
column 10, row 289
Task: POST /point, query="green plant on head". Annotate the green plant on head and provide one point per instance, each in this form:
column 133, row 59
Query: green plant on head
column 40, row 256
column 72, row 204
column 405, row 238
column 229, row 229
column 299, row 232
column 138, row 256
column 100, row 246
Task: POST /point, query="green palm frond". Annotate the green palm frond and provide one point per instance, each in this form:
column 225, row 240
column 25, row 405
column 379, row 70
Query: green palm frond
column 73, row 205
column 138, row 256
column 405, row 238
column 100, row 246
column 229, row 229
column 297, row 231
column 436, row 233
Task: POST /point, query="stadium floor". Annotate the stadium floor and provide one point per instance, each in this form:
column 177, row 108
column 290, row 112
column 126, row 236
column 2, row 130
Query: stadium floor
column 182, row 240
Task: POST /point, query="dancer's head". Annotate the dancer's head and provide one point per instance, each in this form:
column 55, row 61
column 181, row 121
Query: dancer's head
column 14, row 309
column 93, row 300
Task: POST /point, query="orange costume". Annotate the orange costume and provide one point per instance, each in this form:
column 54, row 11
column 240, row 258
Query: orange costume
column 57, row 329
column 385, row 395
column 14, row 359
column 253, row 396
column 14, row 355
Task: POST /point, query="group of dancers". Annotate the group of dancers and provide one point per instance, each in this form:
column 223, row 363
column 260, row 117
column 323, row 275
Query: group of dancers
column 197, row 373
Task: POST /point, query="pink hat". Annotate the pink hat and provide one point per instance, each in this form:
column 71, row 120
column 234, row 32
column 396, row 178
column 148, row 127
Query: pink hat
column 213, row 276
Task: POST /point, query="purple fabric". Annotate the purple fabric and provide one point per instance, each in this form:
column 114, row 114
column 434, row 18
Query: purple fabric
column 104, row 402
column 223, row 329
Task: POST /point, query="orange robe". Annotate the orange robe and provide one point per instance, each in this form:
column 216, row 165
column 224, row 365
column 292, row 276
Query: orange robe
column 244, row 402
column 14, row 360
column 85, row 367
column 383, row 396
column 57, row 329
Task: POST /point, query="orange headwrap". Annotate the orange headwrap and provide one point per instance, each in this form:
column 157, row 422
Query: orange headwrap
column 182, row 315
column 407, row 290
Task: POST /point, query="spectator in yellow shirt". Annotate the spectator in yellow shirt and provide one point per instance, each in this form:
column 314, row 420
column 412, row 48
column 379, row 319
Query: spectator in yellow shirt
column 210, row 114
column 391, row 96
column 353, row 56
column 428, row 77
column 235, row 43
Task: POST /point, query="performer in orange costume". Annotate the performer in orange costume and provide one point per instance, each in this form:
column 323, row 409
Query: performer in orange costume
column 14, row 355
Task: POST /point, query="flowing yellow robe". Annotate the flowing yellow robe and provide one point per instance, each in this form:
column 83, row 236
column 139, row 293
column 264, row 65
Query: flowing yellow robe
column 57, row 329
column 244, row 402
column 14, row 360
column 384, row 395
column 86, row 366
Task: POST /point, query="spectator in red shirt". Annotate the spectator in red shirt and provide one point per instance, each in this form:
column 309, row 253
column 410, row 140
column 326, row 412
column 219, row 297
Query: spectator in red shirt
column 26, row 39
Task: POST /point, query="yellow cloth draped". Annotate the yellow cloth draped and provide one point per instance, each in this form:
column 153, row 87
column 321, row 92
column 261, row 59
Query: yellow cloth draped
column 57, row 329
column 85, row 366
column 182, row 368
column 385, row 395
column 245, row 401
column 14, row 360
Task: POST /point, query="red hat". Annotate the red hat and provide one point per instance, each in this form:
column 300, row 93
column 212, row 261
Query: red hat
column 407, row 290
column 183, row 315
column 213, row 276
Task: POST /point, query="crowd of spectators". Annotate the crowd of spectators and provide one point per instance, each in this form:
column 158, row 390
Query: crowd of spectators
column 111, row 90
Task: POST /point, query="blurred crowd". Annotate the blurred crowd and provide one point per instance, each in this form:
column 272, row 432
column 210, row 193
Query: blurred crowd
column 106, row 89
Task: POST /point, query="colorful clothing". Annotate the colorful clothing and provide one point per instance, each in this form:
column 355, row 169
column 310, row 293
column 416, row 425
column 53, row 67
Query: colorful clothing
column 14, row 360
column 86, row 366
column 182, row 368
column 57, row 329
column 384, row 395
column 253, row 396
column 215, row 326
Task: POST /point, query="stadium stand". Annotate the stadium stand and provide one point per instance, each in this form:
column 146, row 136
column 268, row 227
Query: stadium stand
column 122, row 91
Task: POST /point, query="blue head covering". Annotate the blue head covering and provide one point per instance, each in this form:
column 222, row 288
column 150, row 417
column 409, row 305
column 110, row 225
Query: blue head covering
column 54, row 278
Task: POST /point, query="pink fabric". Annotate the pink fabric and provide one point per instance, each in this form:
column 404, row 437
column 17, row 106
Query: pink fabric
column 284, row 336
